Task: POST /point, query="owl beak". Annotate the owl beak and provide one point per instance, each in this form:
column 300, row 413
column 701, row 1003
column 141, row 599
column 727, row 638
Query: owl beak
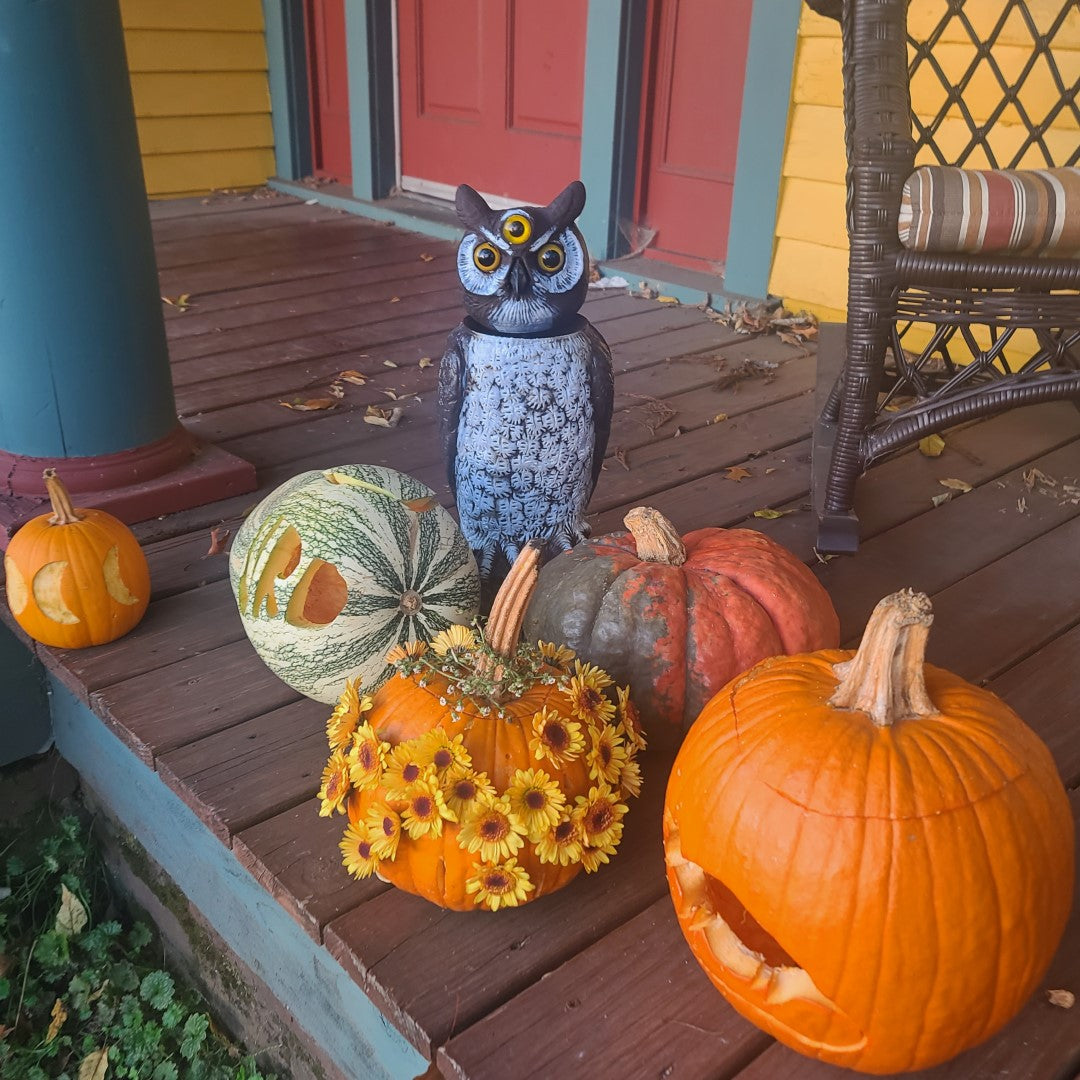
column 518, row 278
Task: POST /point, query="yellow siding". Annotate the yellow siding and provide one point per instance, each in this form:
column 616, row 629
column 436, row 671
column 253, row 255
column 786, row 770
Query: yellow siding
column 202, row 102
column 810, row 258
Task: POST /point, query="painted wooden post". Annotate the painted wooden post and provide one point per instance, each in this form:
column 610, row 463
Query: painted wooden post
column 83, row 361
column 286, row 52
column 369, row 44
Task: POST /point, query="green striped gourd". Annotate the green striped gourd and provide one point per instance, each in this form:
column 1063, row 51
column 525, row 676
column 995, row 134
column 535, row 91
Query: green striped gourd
column 334, row 567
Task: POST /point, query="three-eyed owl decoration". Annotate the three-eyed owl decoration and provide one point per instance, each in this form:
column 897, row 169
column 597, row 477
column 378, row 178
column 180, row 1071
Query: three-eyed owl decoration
column 525, row 385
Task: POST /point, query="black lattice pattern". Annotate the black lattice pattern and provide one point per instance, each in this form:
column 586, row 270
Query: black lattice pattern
column 1010, row 61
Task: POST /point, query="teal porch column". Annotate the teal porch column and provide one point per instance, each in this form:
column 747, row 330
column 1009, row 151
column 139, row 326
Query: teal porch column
column 83, row 364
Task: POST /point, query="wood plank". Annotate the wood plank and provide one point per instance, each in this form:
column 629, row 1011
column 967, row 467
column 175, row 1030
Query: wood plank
column 434, row 972
column 293, row 856
column 205, row 218
column 200, row 209
column 1041, row 1043
column 253, row 770
column 160, row 710
column 619, row 1008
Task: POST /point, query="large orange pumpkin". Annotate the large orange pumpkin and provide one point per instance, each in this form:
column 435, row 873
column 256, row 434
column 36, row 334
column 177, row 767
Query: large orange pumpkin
column 871, row 858
column 75, row 577
column 488, row 773
column 679, row 616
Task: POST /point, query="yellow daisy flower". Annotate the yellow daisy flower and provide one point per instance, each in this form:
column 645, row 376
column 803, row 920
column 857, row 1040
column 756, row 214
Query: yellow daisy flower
column 403, row 769
column 607, row 756
column 600, row 816
column 383, row 830
column 630, row 779
column 536, row 799
column 346, row 715
column 630, row 720
column 500, row 884
column 408, row 651
column 556, row 655
column 462, row 787
column 453, row 639
column 441, row 752
column 367, row 757
column 561, row 842
column 357, row 852
column 425, row 810
column 593, row 858
column 492, row 828
column 555, row 738
column 586, row 695
column 335, row 785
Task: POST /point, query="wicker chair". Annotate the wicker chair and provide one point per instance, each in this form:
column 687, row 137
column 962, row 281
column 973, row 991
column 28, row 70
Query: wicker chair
column 965, row 358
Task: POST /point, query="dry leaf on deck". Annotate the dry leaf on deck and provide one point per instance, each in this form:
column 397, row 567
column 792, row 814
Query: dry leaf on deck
column 667, row 300
column 389, row 363
column 335, row 389
column 719, row 418
column 353, row 377
column 1021, row 505
column 391, row 394
column 218, row 536
column 425, row 257
column 955, row 485
column 944, row 497
column 1063, row 999
column 1035, row 476
column 425, row 361
column 931, row 446
column 71, row 918
column 95, row 1066
column 395, row 299
column 736, row 473
column 770, row 514
column 620, row 457
column 182, row 302
column 310, row 405
column 59, row 1015
column 382, row 417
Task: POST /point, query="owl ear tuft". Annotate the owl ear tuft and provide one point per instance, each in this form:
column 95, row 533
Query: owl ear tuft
column 471, row 208
column 566, row 206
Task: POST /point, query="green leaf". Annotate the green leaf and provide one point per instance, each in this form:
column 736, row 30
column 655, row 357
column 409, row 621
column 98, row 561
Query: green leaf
column 165, row 1070
column 139, row 936
column 157, row 988
column 194, row 1035
column 172, row 1016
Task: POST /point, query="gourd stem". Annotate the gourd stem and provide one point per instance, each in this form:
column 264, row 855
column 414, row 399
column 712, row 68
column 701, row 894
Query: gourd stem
column 655, row 536
column 885, row 678
column 508, row 608
column 63, row 513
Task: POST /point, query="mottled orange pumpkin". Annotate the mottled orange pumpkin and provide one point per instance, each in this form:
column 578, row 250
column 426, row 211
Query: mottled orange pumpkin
column 679, row 616
column 487, row 774
column 871, row 858
column 75, row 577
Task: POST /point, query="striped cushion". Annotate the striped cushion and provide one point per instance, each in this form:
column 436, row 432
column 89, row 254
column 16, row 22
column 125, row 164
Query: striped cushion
column 1031, row 212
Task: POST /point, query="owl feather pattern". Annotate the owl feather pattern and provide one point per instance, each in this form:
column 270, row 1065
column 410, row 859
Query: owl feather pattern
column 525, row 385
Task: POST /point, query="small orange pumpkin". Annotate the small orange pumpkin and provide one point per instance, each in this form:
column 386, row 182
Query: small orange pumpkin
column 75, row 577
column 488, row 773
column 871, row 858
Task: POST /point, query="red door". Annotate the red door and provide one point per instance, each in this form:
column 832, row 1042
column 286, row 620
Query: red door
column 491, row 95
column 693, row 87
column 329, row 78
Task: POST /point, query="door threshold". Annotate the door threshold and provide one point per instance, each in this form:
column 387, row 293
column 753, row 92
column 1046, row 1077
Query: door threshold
column 694, row 288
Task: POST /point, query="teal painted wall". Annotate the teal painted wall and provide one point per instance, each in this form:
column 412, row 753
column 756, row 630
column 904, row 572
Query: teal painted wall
column 301, row 974
column 83, row 362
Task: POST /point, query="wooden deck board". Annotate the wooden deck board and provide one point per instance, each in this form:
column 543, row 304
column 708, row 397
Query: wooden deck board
column 286, row 296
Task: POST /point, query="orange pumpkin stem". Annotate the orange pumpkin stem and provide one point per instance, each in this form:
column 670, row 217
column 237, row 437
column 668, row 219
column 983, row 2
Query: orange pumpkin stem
column 63, row 513
column 885, row 677
column 655, row 536
column 508, row 614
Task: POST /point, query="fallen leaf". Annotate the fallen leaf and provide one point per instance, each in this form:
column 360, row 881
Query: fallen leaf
column 425, row 361
column 719, row 418
column 95, row 1066
column 620, row 457
column 771, row 515
column 311, row 405
column 310, row 202
column 389, row 363
column 382, row 417
column 823, row 558
column 335, row 389
column 676, row 433
column 421, row 505
column 391, row 394
column 182, row 302
column 736, row 473
column 1035, row 476
column 59, row 1015
column 955, row 485
column 667, row 300
column 218, row 536
column 1021, row 505
column 770, row 469
column 353, row 377
column 71, row 918
column 931, row 446
column 395, row 299
column 944, row 497
column 99, row 991
column 425, row 257
column 1063, row 999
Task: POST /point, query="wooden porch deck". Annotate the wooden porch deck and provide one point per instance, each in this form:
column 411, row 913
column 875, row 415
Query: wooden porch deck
column 594, row 981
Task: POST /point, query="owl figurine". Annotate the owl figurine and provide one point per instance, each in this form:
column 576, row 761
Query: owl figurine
column 525, row 385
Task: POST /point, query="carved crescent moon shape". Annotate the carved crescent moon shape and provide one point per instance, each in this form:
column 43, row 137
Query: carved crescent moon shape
column 17, row 593
column 47, row 592
column 118, row 590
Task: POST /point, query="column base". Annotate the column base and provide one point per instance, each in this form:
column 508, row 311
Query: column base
column 175, row 473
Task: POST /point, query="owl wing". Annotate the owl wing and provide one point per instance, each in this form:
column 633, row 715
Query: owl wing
column 450, row 393
column 602, row 395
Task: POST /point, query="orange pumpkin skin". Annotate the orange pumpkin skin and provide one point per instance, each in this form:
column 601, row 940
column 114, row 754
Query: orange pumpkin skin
column 907, row 885
column 678, row 625
column 77, row 582
column 437, row 868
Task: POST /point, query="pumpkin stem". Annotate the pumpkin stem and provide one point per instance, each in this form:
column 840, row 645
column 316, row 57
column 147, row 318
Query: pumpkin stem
column 655, row 536
column 885, row 678
column 507, row 615
column 63, row 513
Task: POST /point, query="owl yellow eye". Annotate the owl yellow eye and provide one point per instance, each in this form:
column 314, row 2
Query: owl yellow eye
column 486, row 257
column 551, row 258
column 517, row 228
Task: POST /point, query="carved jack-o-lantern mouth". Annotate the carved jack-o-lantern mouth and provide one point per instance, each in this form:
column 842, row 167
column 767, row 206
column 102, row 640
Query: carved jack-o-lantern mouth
column 756, row 972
